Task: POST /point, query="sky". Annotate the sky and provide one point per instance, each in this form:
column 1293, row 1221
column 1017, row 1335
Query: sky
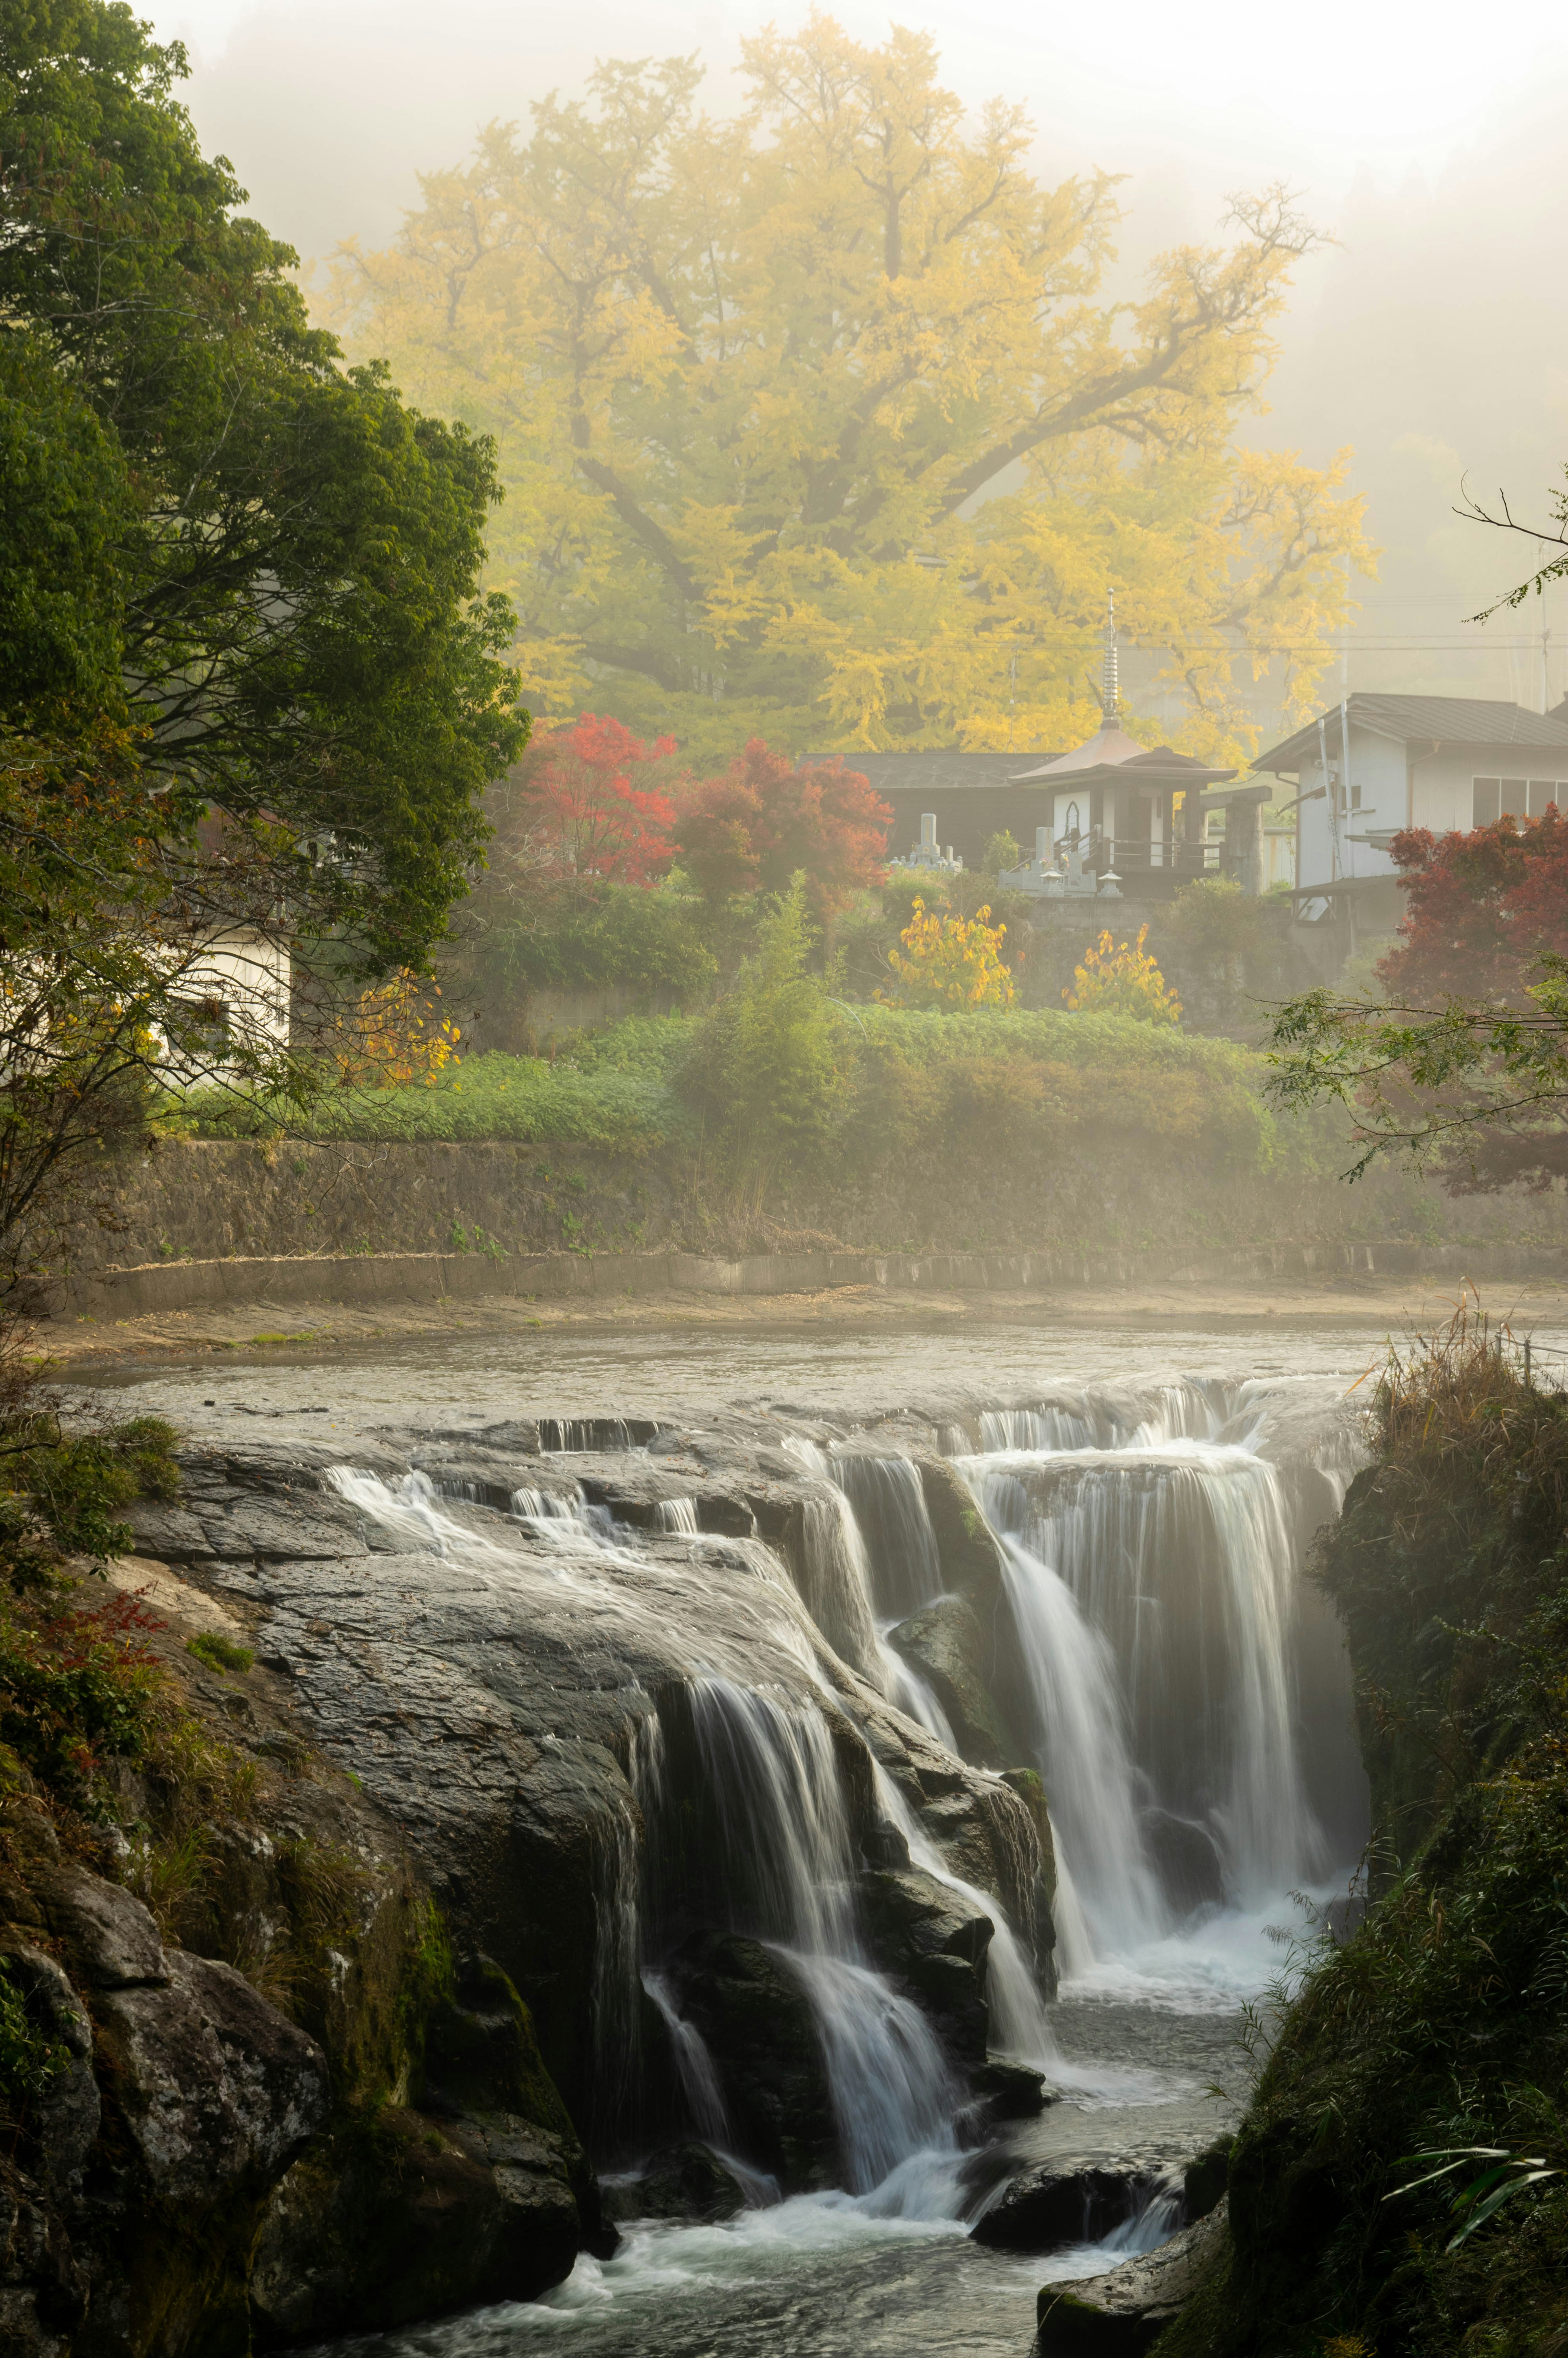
column 1432, row 143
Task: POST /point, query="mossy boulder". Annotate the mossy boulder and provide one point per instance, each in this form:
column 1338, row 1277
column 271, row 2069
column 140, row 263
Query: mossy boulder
column 945, row 1645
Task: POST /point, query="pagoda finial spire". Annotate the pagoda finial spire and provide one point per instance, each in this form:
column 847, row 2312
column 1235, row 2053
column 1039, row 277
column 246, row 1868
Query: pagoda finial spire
column 1110, row 696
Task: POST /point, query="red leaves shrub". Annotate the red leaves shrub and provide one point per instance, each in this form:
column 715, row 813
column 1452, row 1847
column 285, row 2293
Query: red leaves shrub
column 574, row 806
column 750, row 829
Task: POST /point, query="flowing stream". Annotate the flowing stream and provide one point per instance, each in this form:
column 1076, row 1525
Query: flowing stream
column 1185, row 1705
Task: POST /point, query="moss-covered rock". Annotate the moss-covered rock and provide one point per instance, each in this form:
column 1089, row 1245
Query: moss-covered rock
column 946, row 1646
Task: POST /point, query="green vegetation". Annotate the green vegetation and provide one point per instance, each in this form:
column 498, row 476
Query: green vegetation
column 1442, row 2024
column 250, row 688
column 219, row 1653
column 646, row 940
column 874, row 1079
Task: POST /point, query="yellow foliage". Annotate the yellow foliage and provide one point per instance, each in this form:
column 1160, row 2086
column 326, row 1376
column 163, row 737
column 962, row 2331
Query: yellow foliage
column 876, row 309
column 1122, row 979
column 392, row 1038
column 951, row 961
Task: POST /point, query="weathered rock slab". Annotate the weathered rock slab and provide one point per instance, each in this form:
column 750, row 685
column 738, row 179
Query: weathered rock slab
column 1122, row 2313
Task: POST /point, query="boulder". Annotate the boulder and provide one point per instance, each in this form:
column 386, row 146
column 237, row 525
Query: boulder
column 1011, row 2092
column 1123, row 2313
column 945, row 1646
column 217, row 2090
column 688, row 2181
column 108, row 1935
column 925, row 1935
column 402, row 2216
column 1071, row 2199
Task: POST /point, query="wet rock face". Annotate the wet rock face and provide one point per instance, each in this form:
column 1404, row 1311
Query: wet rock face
column 688, row 2181
column 755, row 2020
column 947, row 1645
column 1187, row 1859
column 492, row 1691
column 1122, row 2315
column 924, row 1935
column 1074, row 2199
column 408, row 2216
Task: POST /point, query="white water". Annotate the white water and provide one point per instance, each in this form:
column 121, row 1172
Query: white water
column 1150, row 1570
column 773, row 1777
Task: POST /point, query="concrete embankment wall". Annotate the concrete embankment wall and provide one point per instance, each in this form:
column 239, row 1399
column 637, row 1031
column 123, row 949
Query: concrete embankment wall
column 365, row 1277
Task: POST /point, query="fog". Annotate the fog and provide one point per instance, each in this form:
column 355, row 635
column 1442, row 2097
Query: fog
column 1430, row 338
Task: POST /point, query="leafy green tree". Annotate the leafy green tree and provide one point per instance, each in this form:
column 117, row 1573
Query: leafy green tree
column 772, row 1068
column 250, row 687
column 267, row 568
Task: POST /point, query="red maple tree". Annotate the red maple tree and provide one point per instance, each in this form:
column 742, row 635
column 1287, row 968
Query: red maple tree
column 575, row 807
column 1480, row 910
column 750, row 828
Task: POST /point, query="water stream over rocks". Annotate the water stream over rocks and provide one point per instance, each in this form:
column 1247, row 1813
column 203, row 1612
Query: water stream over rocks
column 818, row 1776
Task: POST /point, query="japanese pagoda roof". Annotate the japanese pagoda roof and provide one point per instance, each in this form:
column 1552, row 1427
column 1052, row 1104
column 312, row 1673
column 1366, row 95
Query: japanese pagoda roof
column 1111, row 754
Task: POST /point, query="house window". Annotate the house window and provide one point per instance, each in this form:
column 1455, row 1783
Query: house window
column 1355, row 797
column 1516, row 798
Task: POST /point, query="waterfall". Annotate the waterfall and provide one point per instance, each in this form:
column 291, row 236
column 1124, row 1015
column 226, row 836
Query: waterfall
column 771, row 1777
column 1086, row 1764
column 1153, row 1583
column 676, row 1515
column 1019, row 2023
column 695, row 2067
column 890, row 1510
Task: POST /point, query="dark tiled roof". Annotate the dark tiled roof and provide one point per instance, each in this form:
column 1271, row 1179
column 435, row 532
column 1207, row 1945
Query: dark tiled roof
column 1447, row 719
column 912, row 773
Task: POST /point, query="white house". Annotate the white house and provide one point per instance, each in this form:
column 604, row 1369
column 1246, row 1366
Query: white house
column 1367, row 768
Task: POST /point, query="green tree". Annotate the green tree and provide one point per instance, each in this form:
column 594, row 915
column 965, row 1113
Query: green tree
column 750, row 379
column 772, row 1069
column 250, row 687
column 267, row 568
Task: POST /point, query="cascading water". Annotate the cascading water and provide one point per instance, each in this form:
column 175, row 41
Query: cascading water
column 1150, row 1568
column 890, row 1514
column 772, row 1780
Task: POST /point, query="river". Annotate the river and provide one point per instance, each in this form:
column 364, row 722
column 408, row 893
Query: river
column 1153, row 1492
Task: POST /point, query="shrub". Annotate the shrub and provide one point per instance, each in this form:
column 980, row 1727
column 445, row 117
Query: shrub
column 649, row 941
column 951, row 961
column 1122, row 979
column 771, row 1070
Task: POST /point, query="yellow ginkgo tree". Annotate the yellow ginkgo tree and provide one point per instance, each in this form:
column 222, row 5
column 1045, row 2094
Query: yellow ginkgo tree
column 816, row 424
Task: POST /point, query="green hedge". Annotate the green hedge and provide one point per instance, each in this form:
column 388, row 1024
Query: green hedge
column 632, row 1086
